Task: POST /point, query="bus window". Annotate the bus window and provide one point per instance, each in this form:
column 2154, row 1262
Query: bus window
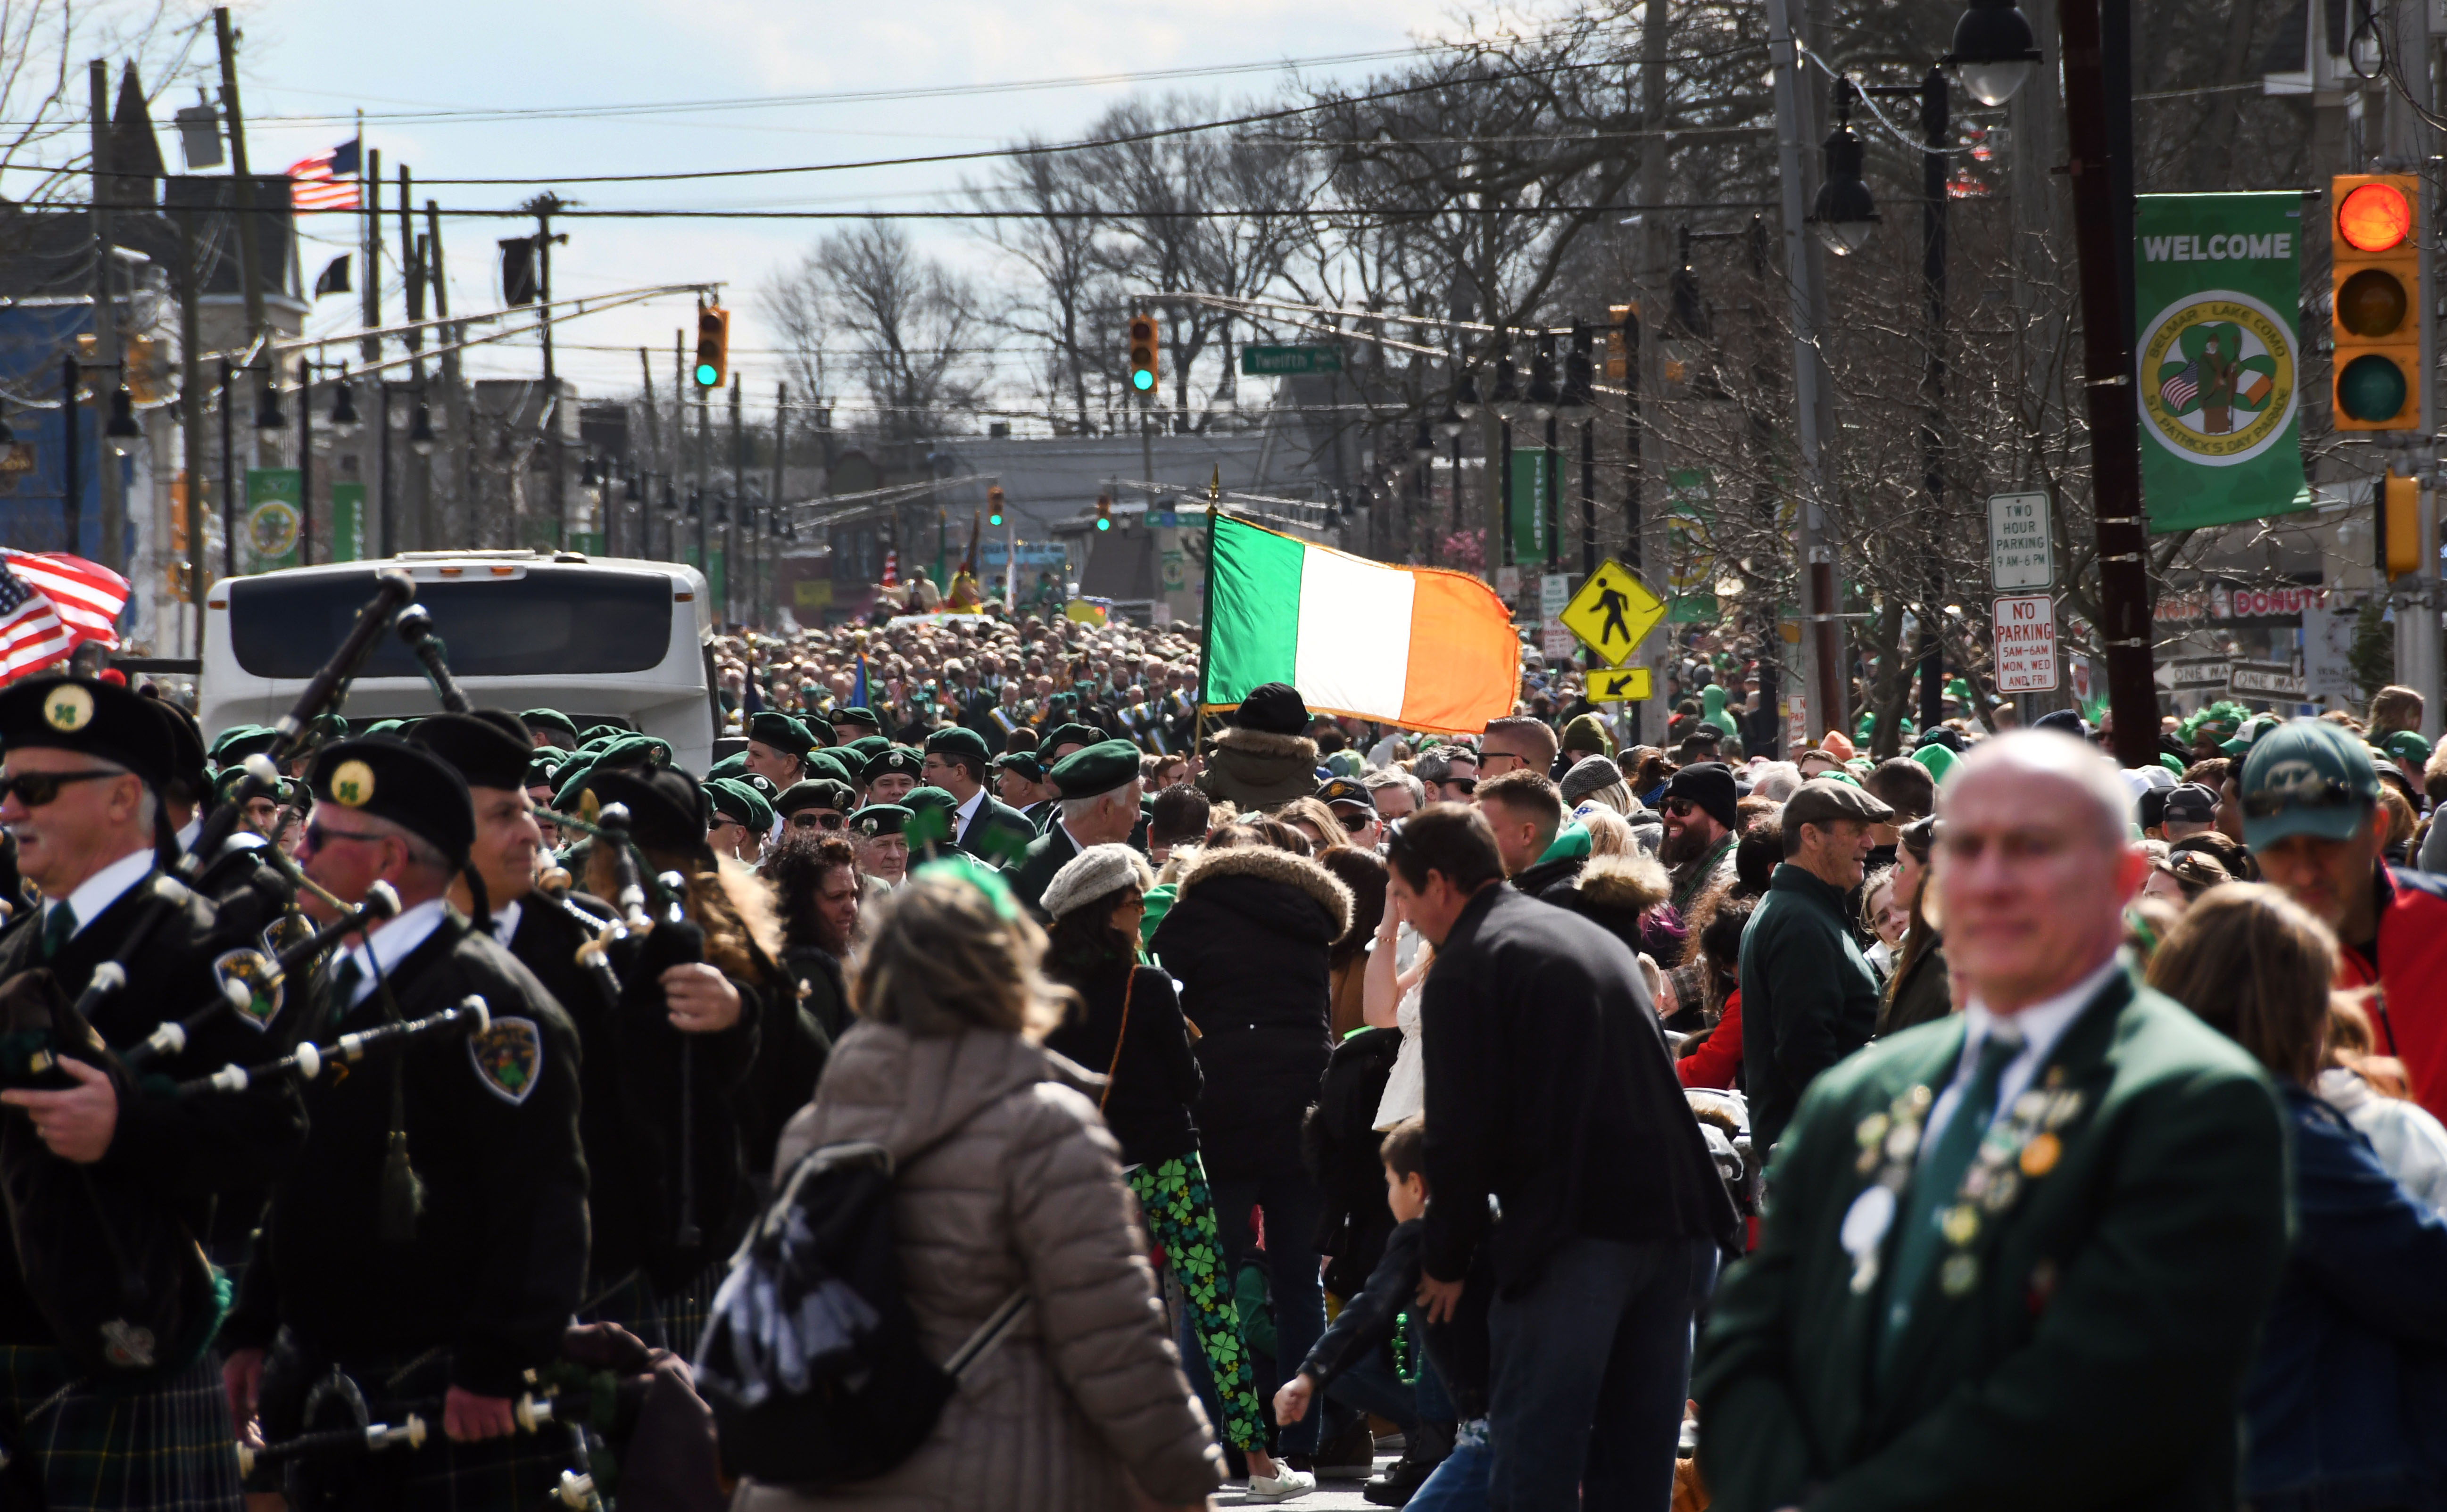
column 542, row 624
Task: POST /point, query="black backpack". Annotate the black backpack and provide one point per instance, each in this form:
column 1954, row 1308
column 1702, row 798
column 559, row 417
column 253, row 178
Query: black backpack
column 810, row 1359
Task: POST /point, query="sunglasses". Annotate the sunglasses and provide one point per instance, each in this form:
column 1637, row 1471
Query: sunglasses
column 317, row 836
column 1680, row 807
column 809, row 819
column 1467, row 785
column 34, row 789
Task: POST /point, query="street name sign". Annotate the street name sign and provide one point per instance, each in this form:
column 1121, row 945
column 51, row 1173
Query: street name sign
column 2024, row 638
column 2022, row 550
column 1613, row 612
column 1277, row 362
column 2272, row 681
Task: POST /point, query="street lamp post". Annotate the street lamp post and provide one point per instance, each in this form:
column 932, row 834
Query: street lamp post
column 1543, row 398
column 1578, row 406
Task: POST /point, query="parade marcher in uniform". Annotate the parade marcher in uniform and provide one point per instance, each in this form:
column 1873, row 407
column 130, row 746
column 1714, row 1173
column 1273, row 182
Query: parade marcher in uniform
column 985, row 827
column 430, row 1239
column 881, row 833
column 778, row 746
column 2017, row 1257
column 891, row 772
column 1099, row 787
column 84, row 765
column 1020, row 781
column 818, row 803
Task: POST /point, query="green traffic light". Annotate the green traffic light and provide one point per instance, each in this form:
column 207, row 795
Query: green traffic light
column 1104, row 524
column 994, row 519
column 708, row 375
column 2371, row 388
column 1142, row 380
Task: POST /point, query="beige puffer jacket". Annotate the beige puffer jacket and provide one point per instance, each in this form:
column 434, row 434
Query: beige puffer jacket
column 1027, row 1191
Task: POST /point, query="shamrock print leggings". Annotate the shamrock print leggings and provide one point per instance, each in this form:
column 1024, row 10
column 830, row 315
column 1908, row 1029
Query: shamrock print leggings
column 1181, row 1217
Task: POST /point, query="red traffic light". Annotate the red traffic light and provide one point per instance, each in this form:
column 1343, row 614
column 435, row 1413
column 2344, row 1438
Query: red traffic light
column 2373, row 218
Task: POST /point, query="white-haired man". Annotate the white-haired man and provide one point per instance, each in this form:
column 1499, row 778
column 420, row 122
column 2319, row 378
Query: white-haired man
column 2017, row 1257
column 1099, row 787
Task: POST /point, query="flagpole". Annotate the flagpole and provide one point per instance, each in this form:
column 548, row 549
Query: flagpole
column 1206, row 607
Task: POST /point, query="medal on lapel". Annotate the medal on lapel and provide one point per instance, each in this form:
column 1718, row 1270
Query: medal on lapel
column 1888, row 1141
column 2015, row 1152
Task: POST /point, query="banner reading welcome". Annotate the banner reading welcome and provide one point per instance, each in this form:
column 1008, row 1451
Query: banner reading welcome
column 2217, row 286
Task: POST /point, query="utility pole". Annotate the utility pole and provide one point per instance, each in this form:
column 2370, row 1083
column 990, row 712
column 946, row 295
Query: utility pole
column 369, row 295
column 1643, row 359
column 2105, row 262
column 420, row 468
column 191, row 414
column 704, row 501
column 1821, row 641
column 2410, row 141
column 738, row 507
column 105, row 324
column 250, row 262
column 543, row 207
column 71, row 454
column 453, row 407
column 780, row 500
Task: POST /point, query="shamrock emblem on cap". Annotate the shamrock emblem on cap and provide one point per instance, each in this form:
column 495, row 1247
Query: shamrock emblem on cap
column 69, row 708
column 353, row 784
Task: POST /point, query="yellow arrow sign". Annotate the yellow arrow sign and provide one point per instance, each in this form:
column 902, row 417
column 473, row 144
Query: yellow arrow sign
column 1623, row 685
column 1613, row 612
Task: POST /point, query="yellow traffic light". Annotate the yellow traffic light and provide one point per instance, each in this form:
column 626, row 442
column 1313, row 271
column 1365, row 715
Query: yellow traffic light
column 2376, row 285
column 712, row 347
column 1143, row 354
column 2400, row 526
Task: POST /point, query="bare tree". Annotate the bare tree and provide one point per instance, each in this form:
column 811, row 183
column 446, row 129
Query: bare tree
column 1052, row 233
column 910, row 326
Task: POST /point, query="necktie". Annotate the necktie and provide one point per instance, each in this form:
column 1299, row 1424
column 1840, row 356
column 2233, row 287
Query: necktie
column 344, row 987
column 1934, row 1185
column 57, row 929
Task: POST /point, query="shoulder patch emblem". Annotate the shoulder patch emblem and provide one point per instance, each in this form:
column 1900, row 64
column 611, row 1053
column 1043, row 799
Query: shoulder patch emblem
column 69, row 708
column 353, row 784
column 508, row 1058
column 265, row 995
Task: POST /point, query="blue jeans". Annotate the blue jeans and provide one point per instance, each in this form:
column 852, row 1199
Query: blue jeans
column 1591, row 1366
column 1294, row 1206
column 1371, row 1386
column 1458, row 1484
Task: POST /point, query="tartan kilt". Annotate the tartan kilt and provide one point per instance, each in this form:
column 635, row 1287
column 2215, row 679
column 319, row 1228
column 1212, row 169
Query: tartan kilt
column 162, row 1448
column 516, row 1474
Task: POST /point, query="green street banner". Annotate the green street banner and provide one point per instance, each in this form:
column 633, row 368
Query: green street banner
column 273, row 501
column 2217, row 285
column 348, row 522
column 1530, row 471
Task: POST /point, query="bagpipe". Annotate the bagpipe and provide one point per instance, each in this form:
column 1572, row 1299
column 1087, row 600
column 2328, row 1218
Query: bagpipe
column 116, row 1270
column 631, row 1418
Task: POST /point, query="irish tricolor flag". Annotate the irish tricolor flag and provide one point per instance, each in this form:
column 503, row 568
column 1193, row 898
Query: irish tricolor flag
column 1417, row 647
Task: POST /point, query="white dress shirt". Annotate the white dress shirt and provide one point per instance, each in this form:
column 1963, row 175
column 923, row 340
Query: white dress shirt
column 505, row 920
column 966, row 812
column 388, row 944
column 103, row 888
column 2041, row 1025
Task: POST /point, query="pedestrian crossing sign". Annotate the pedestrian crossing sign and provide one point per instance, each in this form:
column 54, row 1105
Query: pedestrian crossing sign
column 1613, row 612
column 1620, row 685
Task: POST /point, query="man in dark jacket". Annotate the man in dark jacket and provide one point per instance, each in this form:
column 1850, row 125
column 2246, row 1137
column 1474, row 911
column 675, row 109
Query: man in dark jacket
column 1808, row 997
column 1549, row 1089
column 1100, row 786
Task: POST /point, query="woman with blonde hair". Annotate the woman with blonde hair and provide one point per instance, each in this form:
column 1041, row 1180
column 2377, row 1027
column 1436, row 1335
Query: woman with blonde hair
column 1005, row 1179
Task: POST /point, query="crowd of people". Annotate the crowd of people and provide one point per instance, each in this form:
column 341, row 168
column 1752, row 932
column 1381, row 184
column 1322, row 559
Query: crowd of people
column 1579, row 1122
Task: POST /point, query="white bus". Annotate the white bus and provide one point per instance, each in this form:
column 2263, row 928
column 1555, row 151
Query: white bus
column 605, row 640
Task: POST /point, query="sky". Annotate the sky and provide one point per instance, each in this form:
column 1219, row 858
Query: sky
column 308, row 65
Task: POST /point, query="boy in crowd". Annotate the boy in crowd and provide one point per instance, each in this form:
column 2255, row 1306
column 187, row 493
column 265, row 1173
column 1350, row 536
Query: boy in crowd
column 1445, row 1468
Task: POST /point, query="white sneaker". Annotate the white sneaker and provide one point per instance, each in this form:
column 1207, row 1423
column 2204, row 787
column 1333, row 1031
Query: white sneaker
column 1282, row 1486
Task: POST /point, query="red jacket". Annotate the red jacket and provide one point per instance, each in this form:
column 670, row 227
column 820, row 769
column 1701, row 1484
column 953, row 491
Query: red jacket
column 1713, row 1063
column 2408, row 1013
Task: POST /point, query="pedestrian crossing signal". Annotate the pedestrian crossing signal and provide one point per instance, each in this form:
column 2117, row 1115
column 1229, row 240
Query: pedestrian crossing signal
column 713, row 346
column 2375, row 280
column 994, row 504
column 1142, row 353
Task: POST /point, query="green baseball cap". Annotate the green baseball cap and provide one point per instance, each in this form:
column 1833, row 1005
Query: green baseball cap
column 2406, row 746
column 2307, row 777
column 2250, row 733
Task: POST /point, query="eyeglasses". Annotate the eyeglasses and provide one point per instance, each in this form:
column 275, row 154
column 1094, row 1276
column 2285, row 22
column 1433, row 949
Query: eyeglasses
column 34, row 789
column 810, row 819
column 317, row 837
column 1487, row 759
column 1680, row 807
column 1467, row 785
column 2326, row 793
column 724, row 822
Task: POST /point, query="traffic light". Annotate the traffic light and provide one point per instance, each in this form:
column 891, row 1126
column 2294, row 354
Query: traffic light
column 2377, row 304
column 2400, row 526
column 1143, row 344
column 713, row 346
column 1104, row 511
column 994, row 504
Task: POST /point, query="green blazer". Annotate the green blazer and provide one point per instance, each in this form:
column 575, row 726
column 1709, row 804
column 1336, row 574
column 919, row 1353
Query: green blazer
column 2097, row 1359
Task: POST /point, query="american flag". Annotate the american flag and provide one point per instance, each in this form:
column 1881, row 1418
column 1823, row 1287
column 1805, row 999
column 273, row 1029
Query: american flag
column 2178, row 387
column 32, row 636
column 86, row 597
column 326, row 181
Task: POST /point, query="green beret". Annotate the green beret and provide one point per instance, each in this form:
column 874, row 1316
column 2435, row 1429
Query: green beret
column 762, row 785
column 238, row 742
column 934, row 815
column 955, row 740
column 741, row 802
column 606, row 731
column 1082, row 734
column 879, row 819
column 891, row 761
column 389, row 727
column 780, row 731
column 635, row 750
column 541, row 769
column 825, row 764
column 867, row 747
column 816, row 792
column 552, row 719
column 857, row 714
column 569, row 780
column 732, row 766
column 1099, row 769
column 817, row 727
column 1022, row 761
column 225, row 786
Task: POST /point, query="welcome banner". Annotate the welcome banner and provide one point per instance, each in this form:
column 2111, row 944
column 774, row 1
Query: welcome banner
column 2217, row 288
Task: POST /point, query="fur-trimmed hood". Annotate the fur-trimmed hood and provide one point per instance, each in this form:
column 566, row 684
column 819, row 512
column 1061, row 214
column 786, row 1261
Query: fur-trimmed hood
column 1265, row 863
column 1634, row 883
column 1254, row 768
